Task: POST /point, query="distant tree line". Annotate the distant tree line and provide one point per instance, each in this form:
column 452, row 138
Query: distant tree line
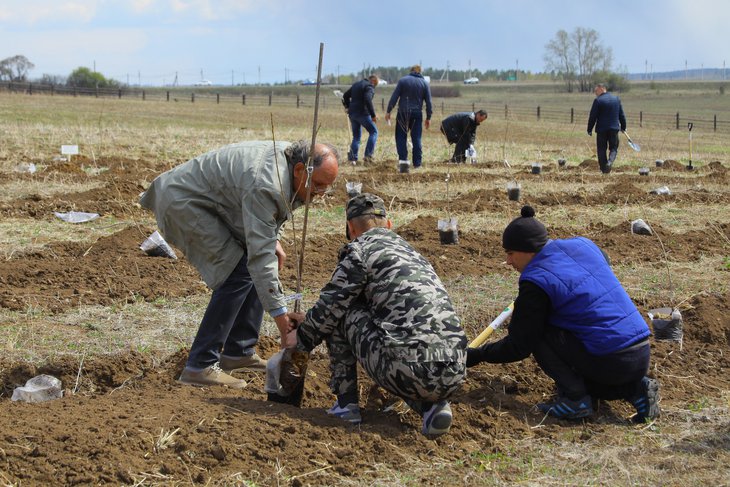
column 16, row 68
column 579, row 59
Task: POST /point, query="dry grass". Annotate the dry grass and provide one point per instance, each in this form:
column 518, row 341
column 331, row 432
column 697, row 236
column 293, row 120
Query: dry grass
column 173, row 132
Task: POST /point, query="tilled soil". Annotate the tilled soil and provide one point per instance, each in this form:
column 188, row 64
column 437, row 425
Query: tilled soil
column 124, row 419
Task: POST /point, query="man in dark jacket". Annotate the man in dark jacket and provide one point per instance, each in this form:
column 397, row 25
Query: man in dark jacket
column 576, row 319
column 410, row 93
column 461, row 129
column 358, row 101
column 607, row 115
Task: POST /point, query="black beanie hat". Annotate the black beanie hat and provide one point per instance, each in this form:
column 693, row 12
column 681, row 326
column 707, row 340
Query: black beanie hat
column 525, row 233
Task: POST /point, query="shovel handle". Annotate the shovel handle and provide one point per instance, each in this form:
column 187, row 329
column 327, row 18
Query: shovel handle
column 498, row 321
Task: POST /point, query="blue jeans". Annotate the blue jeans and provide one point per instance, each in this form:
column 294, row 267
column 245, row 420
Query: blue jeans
column 358, row 122
column 231, row 322
column 405, row 122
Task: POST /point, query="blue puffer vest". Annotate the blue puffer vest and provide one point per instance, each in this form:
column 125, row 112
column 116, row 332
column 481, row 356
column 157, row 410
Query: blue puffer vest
column 587, row 298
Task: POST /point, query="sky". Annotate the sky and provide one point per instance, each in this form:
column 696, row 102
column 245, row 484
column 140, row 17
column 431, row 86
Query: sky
column 150, row 42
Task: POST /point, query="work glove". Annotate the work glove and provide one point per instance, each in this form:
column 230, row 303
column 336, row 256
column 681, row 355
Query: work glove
column 590, row 133
column 473, row 356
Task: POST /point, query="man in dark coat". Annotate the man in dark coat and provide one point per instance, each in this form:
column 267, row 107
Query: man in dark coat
column 411, row 92
column 461, row 129
column 607, row 115
column 358, row 101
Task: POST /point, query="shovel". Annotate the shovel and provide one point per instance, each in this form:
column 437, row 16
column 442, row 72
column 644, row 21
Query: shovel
column 631, row 143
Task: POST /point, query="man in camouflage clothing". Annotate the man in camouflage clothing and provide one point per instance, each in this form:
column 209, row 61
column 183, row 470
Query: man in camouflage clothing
column 386, row 307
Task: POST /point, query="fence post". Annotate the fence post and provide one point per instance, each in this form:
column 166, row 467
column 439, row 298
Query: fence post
column 119, row 93
column 96, row 91
column 473, row 107
column 506, row 112
column 324, row 102
column 677, row 120
column 714, row 123
column 382, row 104
column 270, row 94
column 30, row 88
column 538, row 112
column 442, row 107
column 641, row 118
column 217, row 98
column 168, row 95
column 572, row 113
column 74, row 91
column 243, row 99
column 144, row 95
column 192, row 98
column 297, row 100
column 53, row 88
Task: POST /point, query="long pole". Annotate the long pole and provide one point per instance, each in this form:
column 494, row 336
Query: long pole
column 310, row 168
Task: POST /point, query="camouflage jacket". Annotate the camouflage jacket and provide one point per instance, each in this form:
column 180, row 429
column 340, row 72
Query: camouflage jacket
column 408, row 302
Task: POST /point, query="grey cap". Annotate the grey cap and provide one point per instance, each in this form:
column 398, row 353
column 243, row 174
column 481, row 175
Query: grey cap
column 365, row 204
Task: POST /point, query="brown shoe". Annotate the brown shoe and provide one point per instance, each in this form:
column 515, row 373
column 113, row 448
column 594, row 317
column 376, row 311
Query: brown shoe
column 250, row 363
column 210, row 376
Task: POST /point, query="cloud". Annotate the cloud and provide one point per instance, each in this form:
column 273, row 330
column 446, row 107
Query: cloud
column 25, row 12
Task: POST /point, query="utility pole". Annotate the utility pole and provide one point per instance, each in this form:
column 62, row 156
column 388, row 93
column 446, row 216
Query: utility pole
column 95, row 65
column 259, row 74
column 139, row 78
column 702, row 71
column 517, row 69
column 127, row 79
column 338, row 75
column 685, row 69
column 723, row 69
column 232, row 83
column 470, row 68
column 448, row 67
column 646, row 69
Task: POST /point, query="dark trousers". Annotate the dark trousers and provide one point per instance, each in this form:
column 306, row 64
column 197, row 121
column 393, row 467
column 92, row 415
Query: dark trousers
column 231, row 322
column 409, row 122
column 576, row 372
column 607, row 140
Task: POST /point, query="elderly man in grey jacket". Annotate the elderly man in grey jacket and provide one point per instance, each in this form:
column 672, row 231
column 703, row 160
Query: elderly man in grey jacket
column 225, row 209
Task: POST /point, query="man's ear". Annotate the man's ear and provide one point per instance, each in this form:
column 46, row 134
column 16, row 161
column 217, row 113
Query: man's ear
column 389, row 224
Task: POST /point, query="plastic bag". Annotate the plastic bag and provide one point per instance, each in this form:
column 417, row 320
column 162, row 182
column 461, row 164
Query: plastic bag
column 156, row 246
column 661, row 190
column 667, row 324
column 273, row 372
column 285, row 377
column 640, row 227
column 353, row 189
column 40, row 388
column 76, row 216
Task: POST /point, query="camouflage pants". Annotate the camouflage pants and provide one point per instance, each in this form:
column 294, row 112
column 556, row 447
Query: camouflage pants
column 409, row 374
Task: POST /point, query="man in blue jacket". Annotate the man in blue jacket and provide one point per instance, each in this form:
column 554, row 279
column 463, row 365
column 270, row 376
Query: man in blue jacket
column 607, row 115
column 576, row 319
column 410, row 93
column 358, row 101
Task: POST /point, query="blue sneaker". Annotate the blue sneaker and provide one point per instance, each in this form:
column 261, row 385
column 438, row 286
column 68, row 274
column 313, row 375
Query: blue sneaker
column 349, row 413
column 564, row 408
column 647, row 401
column 437, row 420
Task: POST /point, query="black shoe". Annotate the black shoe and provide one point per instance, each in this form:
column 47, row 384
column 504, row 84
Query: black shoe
column 564, row 408
column 647, row 401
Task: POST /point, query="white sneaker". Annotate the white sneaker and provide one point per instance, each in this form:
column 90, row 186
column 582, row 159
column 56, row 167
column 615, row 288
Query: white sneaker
column 437, row 420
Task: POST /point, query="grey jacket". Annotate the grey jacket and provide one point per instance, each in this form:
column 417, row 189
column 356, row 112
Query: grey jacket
column 225, row 204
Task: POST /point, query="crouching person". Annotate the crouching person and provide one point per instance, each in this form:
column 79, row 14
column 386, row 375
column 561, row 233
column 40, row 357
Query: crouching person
column 386, row 308
column 575, row 318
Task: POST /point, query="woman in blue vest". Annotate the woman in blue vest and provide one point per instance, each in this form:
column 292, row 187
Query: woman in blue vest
column 576, row 319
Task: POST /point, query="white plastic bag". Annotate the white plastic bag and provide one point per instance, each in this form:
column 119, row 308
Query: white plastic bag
column 76, row 216
column 156, row 246
column 40, row 388
column 273, row 373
